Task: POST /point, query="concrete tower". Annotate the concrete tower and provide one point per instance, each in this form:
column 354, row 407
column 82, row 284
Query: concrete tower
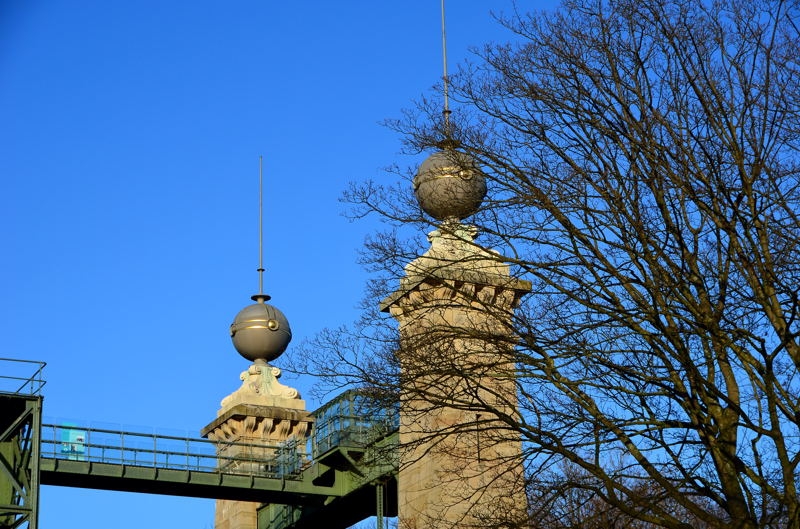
column 262, row 412
column 460, row 466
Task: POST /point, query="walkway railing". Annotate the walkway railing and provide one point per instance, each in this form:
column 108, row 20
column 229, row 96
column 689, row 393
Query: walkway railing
column 21, row 377
column 350, row 420
column 353, row 419
column 79, row 443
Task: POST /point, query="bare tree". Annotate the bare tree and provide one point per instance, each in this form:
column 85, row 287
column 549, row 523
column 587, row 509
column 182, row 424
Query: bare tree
column 568, row 499
column 642, row 160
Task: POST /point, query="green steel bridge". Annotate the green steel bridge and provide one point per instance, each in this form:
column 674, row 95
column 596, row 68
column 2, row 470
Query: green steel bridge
column 346, row 472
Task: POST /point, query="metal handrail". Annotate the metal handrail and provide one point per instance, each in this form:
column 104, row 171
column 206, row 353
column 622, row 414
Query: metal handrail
column 352, row 419
column 340, row 423
column 79, row 443
column 10, row 383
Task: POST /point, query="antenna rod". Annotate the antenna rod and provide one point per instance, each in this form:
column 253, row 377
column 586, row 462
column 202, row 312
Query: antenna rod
column 446, row 111
column 260, row 225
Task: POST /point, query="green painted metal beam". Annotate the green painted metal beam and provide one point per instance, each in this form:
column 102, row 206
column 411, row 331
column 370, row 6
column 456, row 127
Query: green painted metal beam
column 20, row 422
column 135, row 462
column 354, row 456
column 192, row 483
column 361, row 471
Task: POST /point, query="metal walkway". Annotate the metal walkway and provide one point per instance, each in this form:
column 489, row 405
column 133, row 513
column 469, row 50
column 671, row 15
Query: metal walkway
column 354, row 442
column 77, row 456
column 345, row 473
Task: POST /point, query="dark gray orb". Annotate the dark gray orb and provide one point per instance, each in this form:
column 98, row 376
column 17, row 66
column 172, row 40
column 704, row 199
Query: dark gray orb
column 260, row 331
column 449, row 185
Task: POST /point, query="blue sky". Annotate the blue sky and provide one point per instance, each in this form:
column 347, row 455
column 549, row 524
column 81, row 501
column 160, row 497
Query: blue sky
column 129, row 142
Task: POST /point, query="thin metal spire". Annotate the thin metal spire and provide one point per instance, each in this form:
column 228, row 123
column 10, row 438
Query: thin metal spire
column 260, row 297
column 446, row 80
column 261, row 225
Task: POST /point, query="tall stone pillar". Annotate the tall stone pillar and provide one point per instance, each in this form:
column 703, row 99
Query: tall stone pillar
column 460, row 463
column 265, row 414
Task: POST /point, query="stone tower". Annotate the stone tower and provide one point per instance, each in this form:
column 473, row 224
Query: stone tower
column 264, row 414
column 460, row 465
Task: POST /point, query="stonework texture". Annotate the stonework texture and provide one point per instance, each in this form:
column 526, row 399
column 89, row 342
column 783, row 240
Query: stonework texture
column 460, row 464
column 259, row 416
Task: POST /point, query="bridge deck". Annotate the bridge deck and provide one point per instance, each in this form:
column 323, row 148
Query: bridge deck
column 177, row 482
column 135, row 462
column 345, row 473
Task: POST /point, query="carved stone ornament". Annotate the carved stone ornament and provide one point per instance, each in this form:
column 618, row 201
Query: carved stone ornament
column 260, row 386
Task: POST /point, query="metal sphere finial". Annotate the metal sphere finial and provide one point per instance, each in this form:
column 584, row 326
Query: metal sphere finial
column 449, row 185
column 260, row 331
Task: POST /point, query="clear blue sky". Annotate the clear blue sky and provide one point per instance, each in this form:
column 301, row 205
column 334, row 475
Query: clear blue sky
column 129, row 142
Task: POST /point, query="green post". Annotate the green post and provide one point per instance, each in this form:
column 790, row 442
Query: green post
column 379, row 507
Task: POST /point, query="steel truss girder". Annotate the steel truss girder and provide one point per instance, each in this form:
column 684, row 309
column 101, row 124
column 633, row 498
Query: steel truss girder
column 366, row 478
column 20, row 435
